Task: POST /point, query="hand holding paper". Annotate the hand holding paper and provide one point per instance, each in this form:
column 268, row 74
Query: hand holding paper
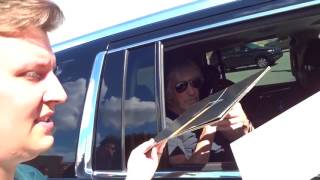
column 142, row 164
column 235, row 124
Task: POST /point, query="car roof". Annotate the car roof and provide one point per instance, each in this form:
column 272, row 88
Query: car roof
column 184, row 14
column 142, row 21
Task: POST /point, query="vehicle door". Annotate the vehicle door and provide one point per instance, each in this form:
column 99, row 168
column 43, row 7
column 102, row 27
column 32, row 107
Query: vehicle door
column 127, row 110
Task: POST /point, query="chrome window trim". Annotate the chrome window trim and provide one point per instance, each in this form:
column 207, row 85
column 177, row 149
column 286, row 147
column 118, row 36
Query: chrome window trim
column 83, row 166
column 175, row 174
column 223, row 23
column 157, row 84
column 123, row 99
column 110, row 174
column 198, row 174
column 161, row 82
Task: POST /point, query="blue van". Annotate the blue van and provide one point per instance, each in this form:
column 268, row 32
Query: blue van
column 115, row 80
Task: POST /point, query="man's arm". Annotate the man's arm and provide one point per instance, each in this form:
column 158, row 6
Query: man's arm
column 143, row 165
column 201, row 152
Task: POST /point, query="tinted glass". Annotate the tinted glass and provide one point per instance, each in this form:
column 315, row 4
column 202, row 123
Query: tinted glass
column 273, row 92
column 108, row 125
column 73, row 70
column 140, row 107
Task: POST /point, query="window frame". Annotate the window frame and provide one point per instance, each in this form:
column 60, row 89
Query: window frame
column 122, row 173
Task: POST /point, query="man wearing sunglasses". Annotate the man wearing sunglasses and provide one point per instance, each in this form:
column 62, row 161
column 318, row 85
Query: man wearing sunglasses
column 183, row 82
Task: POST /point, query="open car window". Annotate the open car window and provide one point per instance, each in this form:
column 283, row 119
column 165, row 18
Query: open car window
column 226, row 58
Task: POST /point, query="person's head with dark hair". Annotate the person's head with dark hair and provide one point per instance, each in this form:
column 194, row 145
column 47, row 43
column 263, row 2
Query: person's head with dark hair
column 105, row 154
column 311, row 63
column 183, row 80
column 305, row 53
column 108, row 145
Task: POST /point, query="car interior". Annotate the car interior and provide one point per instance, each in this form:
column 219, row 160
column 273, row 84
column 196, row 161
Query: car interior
column 291, row 79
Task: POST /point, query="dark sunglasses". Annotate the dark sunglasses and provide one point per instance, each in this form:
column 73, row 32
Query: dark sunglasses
column 183, row 85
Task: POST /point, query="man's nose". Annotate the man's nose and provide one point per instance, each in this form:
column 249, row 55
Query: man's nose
column 191, row 90
column 54, row 92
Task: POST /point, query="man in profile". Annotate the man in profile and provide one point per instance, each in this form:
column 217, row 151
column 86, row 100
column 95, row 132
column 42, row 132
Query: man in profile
column 30, row 90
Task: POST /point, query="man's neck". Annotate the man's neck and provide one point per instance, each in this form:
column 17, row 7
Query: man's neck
column 172, row 113
column 7, row 173
column 176, row 111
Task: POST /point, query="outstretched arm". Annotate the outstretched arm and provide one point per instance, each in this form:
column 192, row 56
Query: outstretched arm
column 143, row 165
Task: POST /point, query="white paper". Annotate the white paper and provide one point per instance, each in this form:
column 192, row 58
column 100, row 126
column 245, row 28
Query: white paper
column 286, row 147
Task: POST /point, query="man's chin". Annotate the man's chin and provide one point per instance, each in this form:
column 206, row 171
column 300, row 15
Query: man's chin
column 190, row 103
column 46, row 143
column 41, row 146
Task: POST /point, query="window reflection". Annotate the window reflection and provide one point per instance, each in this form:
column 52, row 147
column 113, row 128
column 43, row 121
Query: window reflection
column 108, row 137
column 140, row 112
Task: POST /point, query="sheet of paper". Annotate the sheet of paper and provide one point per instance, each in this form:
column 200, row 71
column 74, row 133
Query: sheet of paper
column 211, row 108
column 286, row 147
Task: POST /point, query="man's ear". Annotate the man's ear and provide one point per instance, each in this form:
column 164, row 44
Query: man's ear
column 168, row 98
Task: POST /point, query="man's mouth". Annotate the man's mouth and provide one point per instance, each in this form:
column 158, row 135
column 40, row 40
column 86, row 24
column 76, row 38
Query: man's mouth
column 47, row 124
column 192, row 101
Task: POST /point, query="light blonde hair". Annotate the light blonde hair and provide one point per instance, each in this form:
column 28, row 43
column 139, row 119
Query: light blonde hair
column 16, row 15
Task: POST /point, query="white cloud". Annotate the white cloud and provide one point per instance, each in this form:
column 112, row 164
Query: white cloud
column 138, row 111
column 68, row 115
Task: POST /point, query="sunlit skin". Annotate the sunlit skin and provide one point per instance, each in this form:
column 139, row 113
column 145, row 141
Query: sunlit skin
column 143, row 165
column 29, row 93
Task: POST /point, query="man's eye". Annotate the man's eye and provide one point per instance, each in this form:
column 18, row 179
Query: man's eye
column 33, row 76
